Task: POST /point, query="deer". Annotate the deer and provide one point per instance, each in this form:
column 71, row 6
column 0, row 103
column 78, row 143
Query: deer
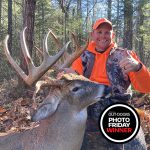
column 62, row 115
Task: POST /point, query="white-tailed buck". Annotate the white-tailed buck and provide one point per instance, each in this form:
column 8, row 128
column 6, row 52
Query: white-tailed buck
column 63, row 113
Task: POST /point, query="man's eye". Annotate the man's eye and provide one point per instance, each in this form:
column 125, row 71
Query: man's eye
column 75, row 89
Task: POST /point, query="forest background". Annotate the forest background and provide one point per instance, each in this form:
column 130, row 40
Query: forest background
column 130, row 18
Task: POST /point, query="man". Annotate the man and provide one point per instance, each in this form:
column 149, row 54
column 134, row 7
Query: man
column 101, row 46
column 114, row 67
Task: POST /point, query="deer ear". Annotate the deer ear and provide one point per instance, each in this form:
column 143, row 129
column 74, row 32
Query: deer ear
column 45, row 110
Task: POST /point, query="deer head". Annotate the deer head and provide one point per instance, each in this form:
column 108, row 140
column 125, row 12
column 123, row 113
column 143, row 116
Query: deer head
column 77, row 92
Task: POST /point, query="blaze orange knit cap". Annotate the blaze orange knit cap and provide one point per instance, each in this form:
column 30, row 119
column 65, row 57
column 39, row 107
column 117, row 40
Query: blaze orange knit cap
column 101, row 21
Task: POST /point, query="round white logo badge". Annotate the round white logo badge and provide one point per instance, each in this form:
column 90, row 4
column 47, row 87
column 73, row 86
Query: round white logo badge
column 119, row 123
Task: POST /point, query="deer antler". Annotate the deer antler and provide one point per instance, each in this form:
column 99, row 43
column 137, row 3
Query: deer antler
column 59, row 45
column 69, row 59
column 79, row 50
column 34, row 73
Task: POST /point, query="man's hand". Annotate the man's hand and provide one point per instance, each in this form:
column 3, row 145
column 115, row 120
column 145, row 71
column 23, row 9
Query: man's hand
column 64, row 71
column 129, row 64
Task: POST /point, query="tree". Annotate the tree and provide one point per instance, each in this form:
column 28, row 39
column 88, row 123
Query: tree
column 65, row 6
column 0, row 17
column 10, row 24
column 128, row 24
column 109, row 9
column 29, row 18
column 139, row 36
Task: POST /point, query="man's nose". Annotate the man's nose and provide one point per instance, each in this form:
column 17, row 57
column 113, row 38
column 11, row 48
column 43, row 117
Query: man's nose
column 103, row 35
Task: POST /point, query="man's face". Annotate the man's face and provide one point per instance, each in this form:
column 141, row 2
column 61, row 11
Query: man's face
column 102, row 36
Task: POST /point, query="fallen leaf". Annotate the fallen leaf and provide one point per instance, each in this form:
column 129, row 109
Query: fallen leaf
column 25, row 102
column 2, row 110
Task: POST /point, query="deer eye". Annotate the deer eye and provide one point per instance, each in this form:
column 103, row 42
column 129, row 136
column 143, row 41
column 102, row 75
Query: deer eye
column 75, row 89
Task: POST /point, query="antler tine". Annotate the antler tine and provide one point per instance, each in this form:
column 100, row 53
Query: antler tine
column 25, row 50
column 11, row 61
column 52, row 59
column 39, row 50
column 55, row 39
column 34, row 73
column 45, row 46
column 79, row 50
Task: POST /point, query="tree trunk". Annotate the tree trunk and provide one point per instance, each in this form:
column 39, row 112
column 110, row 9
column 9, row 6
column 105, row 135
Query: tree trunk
column 79, row 11
column 87, row 14
column 139, row 34
column 109, row 9
column 29, row 17
column 0, row 19
column 79, row 17
column 128, row 17
column 43, row 19
column 65, row 6
column 117, row 22
column 10, row 25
